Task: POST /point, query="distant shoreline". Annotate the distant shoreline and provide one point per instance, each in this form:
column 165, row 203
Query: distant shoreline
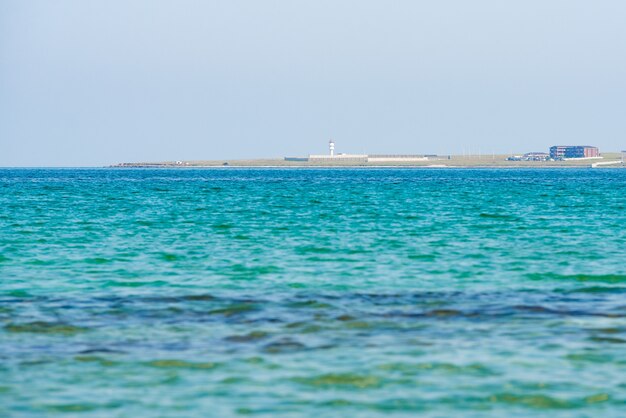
column 609, row 160
column 363, row 167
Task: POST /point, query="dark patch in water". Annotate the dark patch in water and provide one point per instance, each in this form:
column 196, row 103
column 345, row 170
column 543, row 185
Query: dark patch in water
column 223, row 226
column 533, row 309
column 498, row 216
column 411, row 369
column 285, row 345
column 603, row 278
column 181, row 364
column 95, row 359
column 314, row 304
column 117, row 283
column 598, row 289
column 100, row 350
column 423, row 257
column 169, row 257
column 235, row 309
column 612, row 340
column 41, row 327
column 309, row 249
column 608, row 330
column 204, row 297
column 73, row 407
column 534, row 401
column 97, row 260
column 343, row 380
column 19, row 294
column 444, row 313
column 246, row 338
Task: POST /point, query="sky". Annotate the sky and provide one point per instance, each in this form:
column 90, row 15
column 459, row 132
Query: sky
column 92, row 83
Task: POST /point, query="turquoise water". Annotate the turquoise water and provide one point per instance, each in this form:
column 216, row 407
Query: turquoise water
column 312, row 293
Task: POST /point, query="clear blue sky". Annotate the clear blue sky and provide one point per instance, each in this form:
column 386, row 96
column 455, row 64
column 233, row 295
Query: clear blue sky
column 99, row 82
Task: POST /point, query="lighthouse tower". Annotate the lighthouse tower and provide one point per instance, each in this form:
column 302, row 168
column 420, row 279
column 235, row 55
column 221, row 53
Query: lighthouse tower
column 331, row 147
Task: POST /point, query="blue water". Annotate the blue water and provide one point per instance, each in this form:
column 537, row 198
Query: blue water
column 312, row 293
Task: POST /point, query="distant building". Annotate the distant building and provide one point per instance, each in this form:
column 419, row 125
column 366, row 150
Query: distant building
column 536, row 156
column 338, row 157
column 562, row 152
column 331, row 156
column 362, row 158
column 530, row 156
column 382, row 158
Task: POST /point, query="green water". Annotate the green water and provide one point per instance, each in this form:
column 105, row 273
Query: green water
column 312, row 293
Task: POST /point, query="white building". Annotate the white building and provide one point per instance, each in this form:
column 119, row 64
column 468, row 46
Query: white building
column 365, row 158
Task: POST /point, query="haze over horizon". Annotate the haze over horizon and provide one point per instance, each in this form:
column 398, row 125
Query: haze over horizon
column 100, row 82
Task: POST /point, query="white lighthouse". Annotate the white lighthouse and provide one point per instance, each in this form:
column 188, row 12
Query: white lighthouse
column 331, row 156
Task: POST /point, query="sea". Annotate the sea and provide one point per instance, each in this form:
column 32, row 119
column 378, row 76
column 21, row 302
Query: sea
column 354, row 292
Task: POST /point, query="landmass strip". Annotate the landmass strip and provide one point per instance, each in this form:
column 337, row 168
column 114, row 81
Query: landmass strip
column 559, row 156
